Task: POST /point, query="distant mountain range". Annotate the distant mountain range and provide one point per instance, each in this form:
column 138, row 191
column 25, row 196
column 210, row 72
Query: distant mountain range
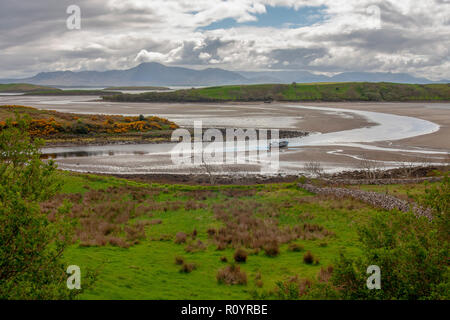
column 156, row 74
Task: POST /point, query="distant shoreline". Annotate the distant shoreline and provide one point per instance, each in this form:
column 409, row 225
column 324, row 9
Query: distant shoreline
column 330, row 92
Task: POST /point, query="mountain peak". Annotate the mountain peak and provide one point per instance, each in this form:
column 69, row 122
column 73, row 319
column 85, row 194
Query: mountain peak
column 157, row 74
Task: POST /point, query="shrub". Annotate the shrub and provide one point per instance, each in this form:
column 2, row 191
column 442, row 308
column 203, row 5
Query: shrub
column 211, row 232
column 271, row 249
column 179, row 260
column 293, row 289
column 80, row 127
column 31, row 266
column 294, row 247
column 118, row 242
column 188, row 267
column 308, row 258
column 411, row 252
column 325, row 274
column 240, row 255
column 231, row 275
column 194, row 247
column 180, row 237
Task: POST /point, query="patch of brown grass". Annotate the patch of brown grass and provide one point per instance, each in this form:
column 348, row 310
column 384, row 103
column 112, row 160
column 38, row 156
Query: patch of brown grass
column 252, row 224
column 325, row 274
column 240, row 255
column 188, row 267
column 180, row 238
column 179, row 260
column 231, row 275
column 294, row 247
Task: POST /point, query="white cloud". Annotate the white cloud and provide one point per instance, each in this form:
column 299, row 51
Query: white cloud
column 409, row 36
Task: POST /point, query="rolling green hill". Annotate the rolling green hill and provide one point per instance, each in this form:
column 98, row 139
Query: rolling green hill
column 351, row 91
column 22, row 87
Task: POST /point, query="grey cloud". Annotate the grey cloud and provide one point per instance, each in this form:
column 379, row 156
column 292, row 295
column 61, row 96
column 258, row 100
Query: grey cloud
column 296, row 58
column 34, row 38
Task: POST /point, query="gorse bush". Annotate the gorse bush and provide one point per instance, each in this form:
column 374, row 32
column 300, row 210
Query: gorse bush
column 50, row 123
column 31, row 246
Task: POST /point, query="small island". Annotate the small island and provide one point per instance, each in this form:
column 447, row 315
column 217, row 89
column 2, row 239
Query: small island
column 326, row 92
column 58, row 128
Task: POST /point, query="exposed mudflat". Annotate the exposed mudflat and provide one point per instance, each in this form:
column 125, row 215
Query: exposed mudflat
column 345, row 136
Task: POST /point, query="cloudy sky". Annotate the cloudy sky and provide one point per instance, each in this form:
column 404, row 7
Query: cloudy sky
column 322, row 36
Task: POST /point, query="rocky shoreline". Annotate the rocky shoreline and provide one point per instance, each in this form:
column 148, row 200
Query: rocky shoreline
column 250, row 179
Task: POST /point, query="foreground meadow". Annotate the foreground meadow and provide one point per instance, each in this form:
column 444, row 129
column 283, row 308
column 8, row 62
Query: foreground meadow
column 135, row 240
column 154, row 241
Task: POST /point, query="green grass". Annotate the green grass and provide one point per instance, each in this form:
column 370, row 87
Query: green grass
column 22, row 87
column 147, row 270
column 350, row 91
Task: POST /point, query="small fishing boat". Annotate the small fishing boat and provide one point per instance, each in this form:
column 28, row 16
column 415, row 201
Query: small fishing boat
column 279, row 144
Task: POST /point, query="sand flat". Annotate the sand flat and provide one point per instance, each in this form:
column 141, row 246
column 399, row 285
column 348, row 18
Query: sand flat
column 329, row 118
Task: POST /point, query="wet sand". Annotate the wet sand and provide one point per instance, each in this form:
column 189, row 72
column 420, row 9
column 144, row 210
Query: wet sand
column 432, row 148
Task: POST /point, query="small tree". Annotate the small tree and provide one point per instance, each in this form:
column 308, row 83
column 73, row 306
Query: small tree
column 31, row 246
column 410, row 253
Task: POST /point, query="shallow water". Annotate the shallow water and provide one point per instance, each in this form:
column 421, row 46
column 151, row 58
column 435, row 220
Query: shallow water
column 156, row 158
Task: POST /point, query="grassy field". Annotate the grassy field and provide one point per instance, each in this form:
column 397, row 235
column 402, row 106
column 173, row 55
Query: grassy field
column 351, row 91
column 22, row 87
column 132, row 232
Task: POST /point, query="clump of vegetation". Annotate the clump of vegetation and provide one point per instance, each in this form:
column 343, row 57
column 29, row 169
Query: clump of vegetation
column 295, row 247
column 231, row 275
column 325, row 274
column 195, row 247
column 308, row 258
column 272, row 249
column 411, row 251
column 179, row 260
column 293, row 288
column 240, row 255
column 180, row 237
column 188, row 267
column 46, row 123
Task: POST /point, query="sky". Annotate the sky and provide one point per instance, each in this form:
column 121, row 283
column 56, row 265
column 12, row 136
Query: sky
column 320, row 36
